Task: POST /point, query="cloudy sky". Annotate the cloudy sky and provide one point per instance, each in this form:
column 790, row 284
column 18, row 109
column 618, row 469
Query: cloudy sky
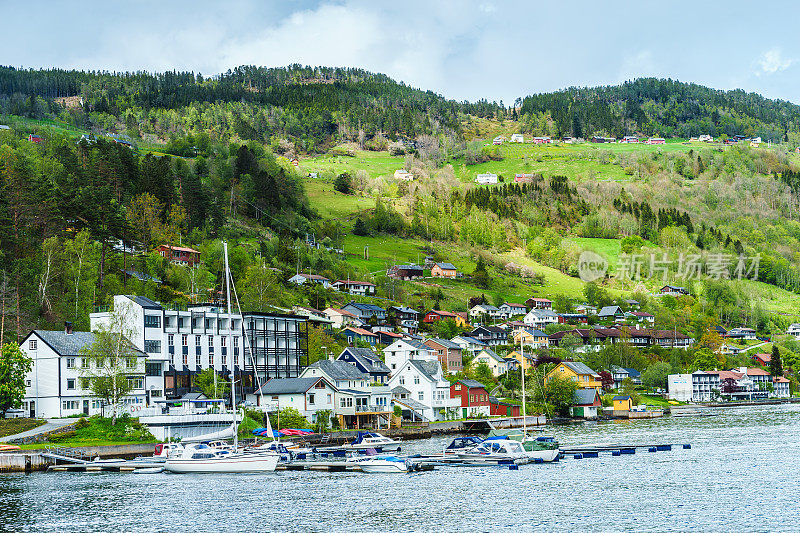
column 461, row 49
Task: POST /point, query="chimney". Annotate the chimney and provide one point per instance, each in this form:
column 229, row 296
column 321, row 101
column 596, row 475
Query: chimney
column 68, row 328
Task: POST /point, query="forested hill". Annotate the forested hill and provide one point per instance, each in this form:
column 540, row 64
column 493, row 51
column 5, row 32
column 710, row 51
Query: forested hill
column 667, row 108
column 310, row 104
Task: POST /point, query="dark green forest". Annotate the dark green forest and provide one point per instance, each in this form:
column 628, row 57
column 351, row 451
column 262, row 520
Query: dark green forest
column 666, row 108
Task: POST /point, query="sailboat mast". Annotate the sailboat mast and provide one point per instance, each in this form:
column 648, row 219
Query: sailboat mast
column 522, row 369
column 233, row 377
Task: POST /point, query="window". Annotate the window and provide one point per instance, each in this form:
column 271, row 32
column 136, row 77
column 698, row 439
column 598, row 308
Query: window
column 329, row 399
column 197, row 359
column 84, row 362
column 166, row 321
column 416, row 380
column 155, row 393
column 222, row 342
column 136, row 383
column 97, row 404
column 181, row 322
column 153, row 346
column 131, row 362
column 152, row 321
column 224, row 360
column 184, row 340
column 211, row 359
column 170, row 340
column 70, row 362
column 421, row 395
column 402, row 380
column 70, row 405
column 186, row 359
column 32, row 344
column 311, row 399
column 197, row 340
column 27, row 383
column 152, row 370
column 458, row 386
column 211, row 342
column 236, row 342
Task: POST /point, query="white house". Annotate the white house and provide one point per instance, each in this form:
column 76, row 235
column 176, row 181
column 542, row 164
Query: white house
column 301, row 279
column 403, row 174
column 742, row 333
column 420, row 390
column 307, row 395
column 361, row 288
column 794, row 330
column 539, row 318
column 679, row 387
column 341, row 318
column 358, row 403
column 486, row 178
column 57, row 385
column 516, row 138
column 469, row 344
column 481, row 311
column 402, row 350
column 497, row 364
column 507, row 310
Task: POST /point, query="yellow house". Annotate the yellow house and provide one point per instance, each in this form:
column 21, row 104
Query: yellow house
column 585, row 377
column 462, row 320
column 530, row 337
column 622, row 403
column 529, row 359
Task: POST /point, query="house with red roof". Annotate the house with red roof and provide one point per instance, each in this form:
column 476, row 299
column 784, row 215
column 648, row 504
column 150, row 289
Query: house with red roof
column 179, row 255
column 473, row 397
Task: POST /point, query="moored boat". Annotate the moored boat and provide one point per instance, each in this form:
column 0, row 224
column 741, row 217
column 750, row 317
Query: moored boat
column 204, row 459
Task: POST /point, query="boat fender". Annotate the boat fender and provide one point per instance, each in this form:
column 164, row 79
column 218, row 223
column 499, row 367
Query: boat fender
column 578, row 456
column 615, row 453
column 514, row 467
column 538, row 460
column 652, row 449
column 687, row 446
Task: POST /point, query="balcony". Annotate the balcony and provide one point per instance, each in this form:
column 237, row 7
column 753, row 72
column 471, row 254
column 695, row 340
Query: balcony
column 373, row 409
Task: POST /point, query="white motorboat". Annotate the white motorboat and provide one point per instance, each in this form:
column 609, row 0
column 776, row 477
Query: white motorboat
column 388, row 464
column 204, row 459
column 495, row 450
column 367, row 439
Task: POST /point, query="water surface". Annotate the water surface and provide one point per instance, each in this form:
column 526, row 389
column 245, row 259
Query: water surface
column 740, row 475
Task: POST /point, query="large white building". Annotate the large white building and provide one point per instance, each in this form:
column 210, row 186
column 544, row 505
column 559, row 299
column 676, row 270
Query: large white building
column 57, row 385
column 739, row 383
column 181, row 342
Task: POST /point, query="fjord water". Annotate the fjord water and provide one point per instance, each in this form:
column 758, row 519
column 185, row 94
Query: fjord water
column 741, row 474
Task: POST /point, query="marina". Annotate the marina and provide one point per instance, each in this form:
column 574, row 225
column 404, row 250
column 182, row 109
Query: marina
column 645, row 484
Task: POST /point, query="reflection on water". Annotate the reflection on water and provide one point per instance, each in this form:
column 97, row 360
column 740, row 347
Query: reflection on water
column 741, row 474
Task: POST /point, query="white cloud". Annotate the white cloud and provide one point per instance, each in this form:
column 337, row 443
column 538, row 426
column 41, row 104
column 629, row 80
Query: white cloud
column 772, row 61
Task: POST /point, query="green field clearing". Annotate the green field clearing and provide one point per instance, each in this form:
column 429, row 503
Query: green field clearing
column 330, row 203
column 578, row 162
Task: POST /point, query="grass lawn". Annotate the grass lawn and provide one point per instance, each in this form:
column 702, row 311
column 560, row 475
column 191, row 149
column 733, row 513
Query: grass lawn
column 97, row 431
column 330, row 203
column 12, row 426
column 608, row 248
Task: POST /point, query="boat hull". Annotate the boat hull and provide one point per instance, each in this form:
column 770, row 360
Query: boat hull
column 383, row 467
column 244, row 464
column 548, row 456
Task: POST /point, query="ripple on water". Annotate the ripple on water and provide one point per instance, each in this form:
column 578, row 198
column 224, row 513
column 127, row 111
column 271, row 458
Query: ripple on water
column 740, row 474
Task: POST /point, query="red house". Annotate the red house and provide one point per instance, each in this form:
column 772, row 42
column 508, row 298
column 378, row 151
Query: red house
column 498, row 408
column 180, row 255
column 473, row 396
column 433, row 316
column 762, row 359
column 539, row 303
column 34, row 138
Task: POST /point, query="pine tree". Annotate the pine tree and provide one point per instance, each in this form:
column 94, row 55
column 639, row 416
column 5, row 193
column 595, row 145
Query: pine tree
column 775, row 363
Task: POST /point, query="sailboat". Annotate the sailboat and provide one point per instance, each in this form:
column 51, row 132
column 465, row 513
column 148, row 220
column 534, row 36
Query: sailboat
column 200, row 458
column 541, row 448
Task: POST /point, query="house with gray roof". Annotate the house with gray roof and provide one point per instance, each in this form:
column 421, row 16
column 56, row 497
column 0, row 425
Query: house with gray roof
column 402, row 350
column 58, row 383
column 497, row 364
column 367, row 361
column 308, row 395
column 449, row 354
column 366, row 311
column 611, row 312
column 428, row 393
column 357, row 403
